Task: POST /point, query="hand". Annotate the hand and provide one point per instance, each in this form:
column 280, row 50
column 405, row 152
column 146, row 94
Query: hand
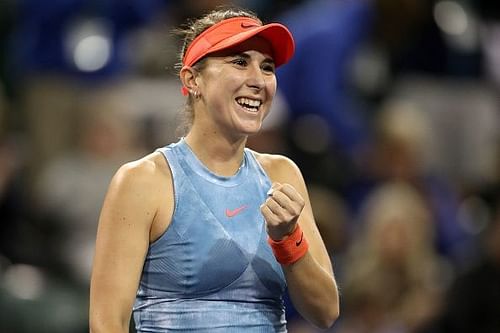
column 281, row 210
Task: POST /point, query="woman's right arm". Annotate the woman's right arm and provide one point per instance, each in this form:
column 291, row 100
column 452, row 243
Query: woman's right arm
column 123, row 236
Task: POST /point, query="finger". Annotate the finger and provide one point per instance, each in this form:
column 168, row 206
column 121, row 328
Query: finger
column 274, row 226
column 292, row 208
column 275, row 208
column 275, row 186
column 293, row 194
column 283, row 200
column 269, row 216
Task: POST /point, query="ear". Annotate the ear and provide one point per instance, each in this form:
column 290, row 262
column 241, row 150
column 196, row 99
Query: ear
column 188, row 78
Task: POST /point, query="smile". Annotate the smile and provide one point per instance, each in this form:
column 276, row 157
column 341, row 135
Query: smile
column 249, row 104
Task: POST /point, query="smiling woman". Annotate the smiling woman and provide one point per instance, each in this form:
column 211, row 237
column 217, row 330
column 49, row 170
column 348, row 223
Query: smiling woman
column 231, row 108
column 220, row 33
column 189, row 238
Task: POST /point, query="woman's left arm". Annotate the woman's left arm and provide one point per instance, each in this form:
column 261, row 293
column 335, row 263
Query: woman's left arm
column 310, row 280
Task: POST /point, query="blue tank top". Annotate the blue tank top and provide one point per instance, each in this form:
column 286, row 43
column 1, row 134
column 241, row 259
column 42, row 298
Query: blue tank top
column 212, row 270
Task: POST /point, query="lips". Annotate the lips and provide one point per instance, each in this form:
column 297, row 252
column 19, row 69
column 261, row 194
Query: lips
column 249, row 104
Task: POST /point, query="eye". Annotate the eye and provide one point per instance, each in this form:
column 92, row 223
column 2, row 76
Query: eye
column 268, row 67
column 239, row 61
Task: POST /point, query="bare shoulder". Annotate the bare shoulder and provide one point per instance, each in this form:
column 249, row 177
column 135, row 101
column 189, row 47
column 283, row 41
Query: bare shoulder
column 147, row 171
column 140, row 190
column 278, row 167
column 143, row 180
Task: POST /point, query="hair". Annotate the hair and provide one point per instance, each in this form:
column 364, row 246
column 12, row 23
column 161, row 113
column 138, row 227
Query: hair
column 187, row 33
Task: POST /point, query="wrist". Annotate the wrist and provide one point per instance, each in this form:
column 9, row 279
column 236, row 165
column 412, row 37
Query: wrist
column 291, row 248
column 277, row 236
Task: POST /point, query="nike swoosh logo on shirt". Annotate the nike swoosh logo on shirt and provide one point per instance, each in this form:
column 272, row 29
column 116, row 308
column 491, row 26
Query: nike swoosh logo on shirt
column 297, row 243
column 234, row 212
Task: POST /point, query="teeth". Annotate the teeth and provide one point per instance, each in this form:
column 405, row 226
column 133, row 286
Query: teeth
column 249, row 103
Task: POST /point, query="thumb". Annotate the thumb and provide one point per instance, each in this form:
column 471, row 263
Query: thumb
column 273, row 188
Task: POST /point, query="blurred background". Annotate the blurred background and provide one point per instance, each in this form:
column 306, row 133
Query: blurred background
column 390, row 108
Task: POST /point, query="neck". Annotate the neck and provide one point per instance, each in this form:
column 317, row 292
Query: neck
column 220, row 154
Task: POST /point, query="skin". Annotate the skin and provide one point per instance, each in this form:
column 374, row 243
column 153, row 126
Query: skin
column 139, row 204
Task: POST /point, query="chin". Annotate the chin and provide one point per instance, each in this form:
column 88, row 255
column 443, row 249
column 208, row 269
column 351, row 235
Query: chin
column 251, row 131
column 249, row 128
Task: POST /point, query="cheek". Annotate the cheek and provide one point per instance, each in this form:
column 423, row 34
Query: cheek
column 272, row 86
column 223, row 85
column 213, row 78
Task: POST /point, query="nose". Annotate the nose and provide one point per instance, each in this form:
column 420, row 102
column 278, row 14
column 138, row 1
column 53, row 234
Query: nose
column 256, row 79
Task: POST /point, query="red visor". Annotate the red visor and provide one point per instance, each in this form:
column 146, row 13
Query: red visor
column 233, row 31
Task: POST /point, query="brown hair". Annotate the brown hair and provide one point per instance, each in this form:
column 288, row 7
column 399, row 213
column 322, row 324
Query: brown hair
column 188, row 33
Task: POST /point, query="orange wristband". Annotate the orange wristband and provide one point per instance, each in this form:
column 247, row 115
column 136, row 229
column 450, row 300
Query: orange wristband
column 289, row 250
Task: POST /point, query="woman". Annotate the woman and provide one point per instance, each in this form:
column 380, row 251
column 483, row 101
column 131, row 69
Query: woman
column 205, row 234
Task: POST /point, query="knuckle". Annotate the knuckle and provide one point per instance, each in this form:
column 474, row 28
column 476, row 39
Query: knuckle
column 289, row 188
column 298, row 208
column 295, row 211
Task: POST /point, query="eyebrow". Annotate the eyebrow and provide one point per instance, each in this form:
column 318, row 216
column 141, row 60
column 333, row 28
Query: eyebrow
column 247, row 56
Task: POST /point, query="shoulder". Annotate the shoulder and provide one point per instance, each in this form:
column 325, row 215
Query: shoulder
column 145, row 174
column 278, row 167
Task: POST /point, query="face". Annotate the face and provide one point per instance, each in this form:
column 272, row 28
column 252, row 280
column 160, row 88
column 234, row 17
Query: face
column 237, row 88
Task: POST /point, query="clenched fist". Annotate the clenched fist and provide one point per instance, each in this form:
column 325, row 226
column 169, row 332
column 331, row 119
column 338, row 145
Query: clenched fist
column 281, row 210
